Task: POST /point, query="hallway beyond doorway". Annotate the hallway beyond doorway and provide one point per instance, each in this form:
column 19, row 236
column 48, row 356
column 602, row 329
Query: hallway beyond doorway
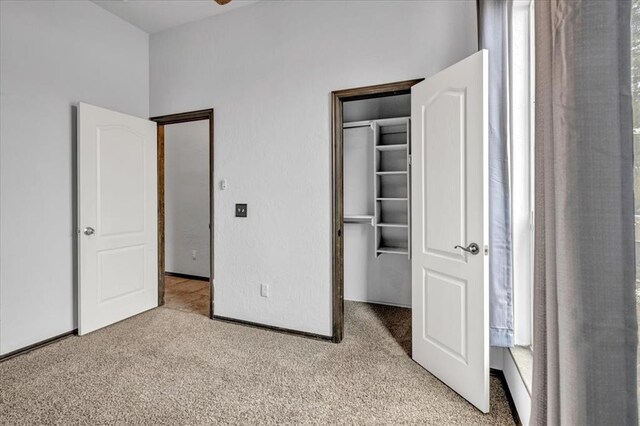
column 187, row 295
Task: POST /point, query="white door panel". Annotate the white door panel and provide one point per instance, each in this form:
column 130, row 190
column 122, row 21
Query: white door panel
column 117, row 199
column 449, row 208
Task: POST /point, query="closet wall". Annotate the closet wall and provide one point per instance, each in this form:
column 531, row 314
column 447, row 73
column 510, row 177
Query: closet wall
column 370, row 276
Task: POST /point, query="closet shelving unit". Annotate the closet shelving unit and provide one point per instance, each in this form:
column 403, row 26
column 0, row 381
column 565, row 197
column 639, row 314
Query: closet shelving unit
column 391, row 218
column 391, row 185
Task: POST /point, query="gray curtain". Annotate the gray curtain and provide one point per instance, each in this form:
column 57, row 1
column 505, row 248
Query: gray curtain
column 585, row 332
column 493, row 35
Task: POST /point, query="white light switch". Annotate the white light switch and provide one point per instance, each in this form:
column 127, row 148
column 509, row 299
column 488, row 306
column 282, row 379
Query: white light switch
column 264, row 290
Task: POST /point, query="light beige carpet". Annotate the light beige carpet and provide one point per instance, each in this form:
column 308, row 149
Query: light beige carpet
column 167, row 367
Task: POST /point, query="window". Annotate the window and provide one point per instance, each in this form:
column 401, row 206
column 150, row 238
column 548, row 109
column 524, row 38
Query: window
column 522, row 170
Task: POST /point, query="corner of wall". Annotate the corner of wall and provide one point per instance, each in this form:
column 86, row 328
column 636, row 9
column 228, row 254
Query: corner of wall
column 517, row 388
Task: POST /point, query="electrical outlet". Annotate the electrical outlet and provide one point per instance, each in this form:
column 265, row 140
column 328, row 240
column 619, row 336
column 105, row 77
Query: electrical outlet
column 194, row 254
column 264, row 290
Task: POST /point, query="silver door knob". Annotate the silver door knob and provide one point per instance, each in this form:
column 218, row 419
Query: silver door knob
column 89, row 231
column 471, row 248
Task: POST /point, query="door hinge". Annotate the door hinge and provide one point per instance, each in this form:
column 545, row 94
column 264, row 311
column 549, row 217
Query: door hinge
column 486, row 250
column 409, row 159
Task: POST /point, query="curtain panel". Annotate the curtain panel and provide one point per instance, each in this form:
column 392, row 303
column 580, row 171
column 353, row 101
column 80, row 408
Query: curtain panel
column 585, row 330
column 494, row 21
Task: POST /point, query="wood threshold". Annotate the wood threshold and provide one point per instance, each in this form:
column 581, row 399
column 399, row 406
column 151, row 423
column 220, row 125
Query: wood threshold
column 338, row 97
column 163, row 120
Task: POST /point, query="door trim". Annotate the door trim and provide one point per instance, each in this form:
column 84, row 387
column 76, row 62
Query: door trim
column 163, row 120
column 338, row 97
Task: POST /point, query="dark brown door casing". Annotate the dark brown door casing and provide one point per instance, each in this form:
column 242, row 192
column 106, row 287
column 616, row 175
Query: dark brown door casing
column 337, row 186
column 185, row 117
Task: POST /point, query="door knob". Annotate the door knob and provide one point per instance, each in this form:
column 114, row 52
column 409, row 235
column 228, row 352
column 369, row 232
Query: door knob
column 89, row 231
column 472, row 248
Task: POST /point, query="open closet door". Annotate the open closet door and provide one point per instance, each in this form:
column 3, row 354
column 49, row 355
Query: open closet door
column 117, row 217
column 449, row 217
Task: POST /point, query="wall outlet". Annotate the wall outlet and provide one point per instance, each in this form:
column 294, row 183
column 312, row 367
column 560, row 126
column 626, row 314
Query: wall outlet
column 264, row 290
column 194, row 254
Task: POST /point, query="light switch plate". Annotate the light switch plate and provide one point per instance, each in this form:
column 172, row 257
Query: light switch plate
column 241, row 210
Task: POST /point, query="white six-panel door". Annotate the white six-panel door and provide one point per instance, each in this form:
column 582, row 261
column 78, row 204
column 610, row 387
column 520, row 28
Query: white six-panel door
column 449, row 208
column 117, row 217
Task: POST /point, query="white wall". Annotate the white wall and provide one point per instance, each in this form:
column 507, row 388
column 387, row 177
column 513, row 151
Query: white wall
column 186, row 192
column 52, row 55
column 268, row 70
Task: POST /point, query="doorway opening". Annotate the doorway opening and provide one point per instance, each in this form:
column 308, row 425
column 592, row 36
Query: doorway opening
column 185, row 211
column 371, row 207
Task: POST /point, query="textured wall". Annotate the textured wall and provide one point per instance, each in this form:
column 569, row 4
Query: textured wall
column 268, row 70
column 52, row 55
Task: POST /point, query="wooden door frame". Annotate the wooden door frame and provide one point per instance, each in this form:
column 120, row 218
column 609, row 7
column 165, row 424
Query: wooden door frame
column 338, row 97
column 163, row 120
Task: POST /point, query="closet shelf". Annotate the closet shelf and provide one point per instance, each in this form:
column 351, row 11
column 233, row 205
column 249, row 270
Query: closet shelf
column 353, row 124
column 384, row 122
column 393, row 225
column 361, row 218
column 391, row 199
column 392, row 121
column 392, row 250
column 397, row 172
column 396, row 147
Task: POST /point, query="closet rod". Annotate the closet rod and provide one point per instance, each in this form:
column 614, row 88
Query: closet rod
column 355, row 124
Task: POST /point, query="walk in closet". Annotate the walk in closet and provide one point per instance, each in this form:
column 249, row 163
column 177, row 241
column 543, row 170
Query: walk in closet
column 376, row 149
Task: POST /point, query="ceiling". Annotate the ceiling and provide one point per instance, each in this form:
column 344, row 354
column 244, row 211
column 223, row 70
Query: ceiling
column 156, row 15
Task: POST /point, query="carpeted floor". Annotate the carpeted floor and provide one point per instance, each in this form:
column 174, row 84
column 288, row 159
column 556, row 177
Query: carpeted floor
column 167, row 367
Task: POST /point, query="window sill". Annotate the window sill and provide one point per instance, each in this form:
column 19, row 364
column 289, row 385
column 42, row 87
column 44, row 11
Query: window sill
column 523, row 358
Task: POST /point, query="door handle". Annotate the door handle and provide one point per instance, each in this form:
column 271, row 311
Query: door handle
column 89, row 231
column 472, row 248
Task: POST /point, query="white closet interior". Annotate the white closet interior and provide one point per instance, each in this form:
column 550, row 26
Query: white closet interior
column 376, row 135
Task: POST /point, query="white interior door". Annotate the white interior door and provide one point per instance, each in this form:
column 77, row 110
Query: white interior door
column 449, row 208
column 117, row 217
